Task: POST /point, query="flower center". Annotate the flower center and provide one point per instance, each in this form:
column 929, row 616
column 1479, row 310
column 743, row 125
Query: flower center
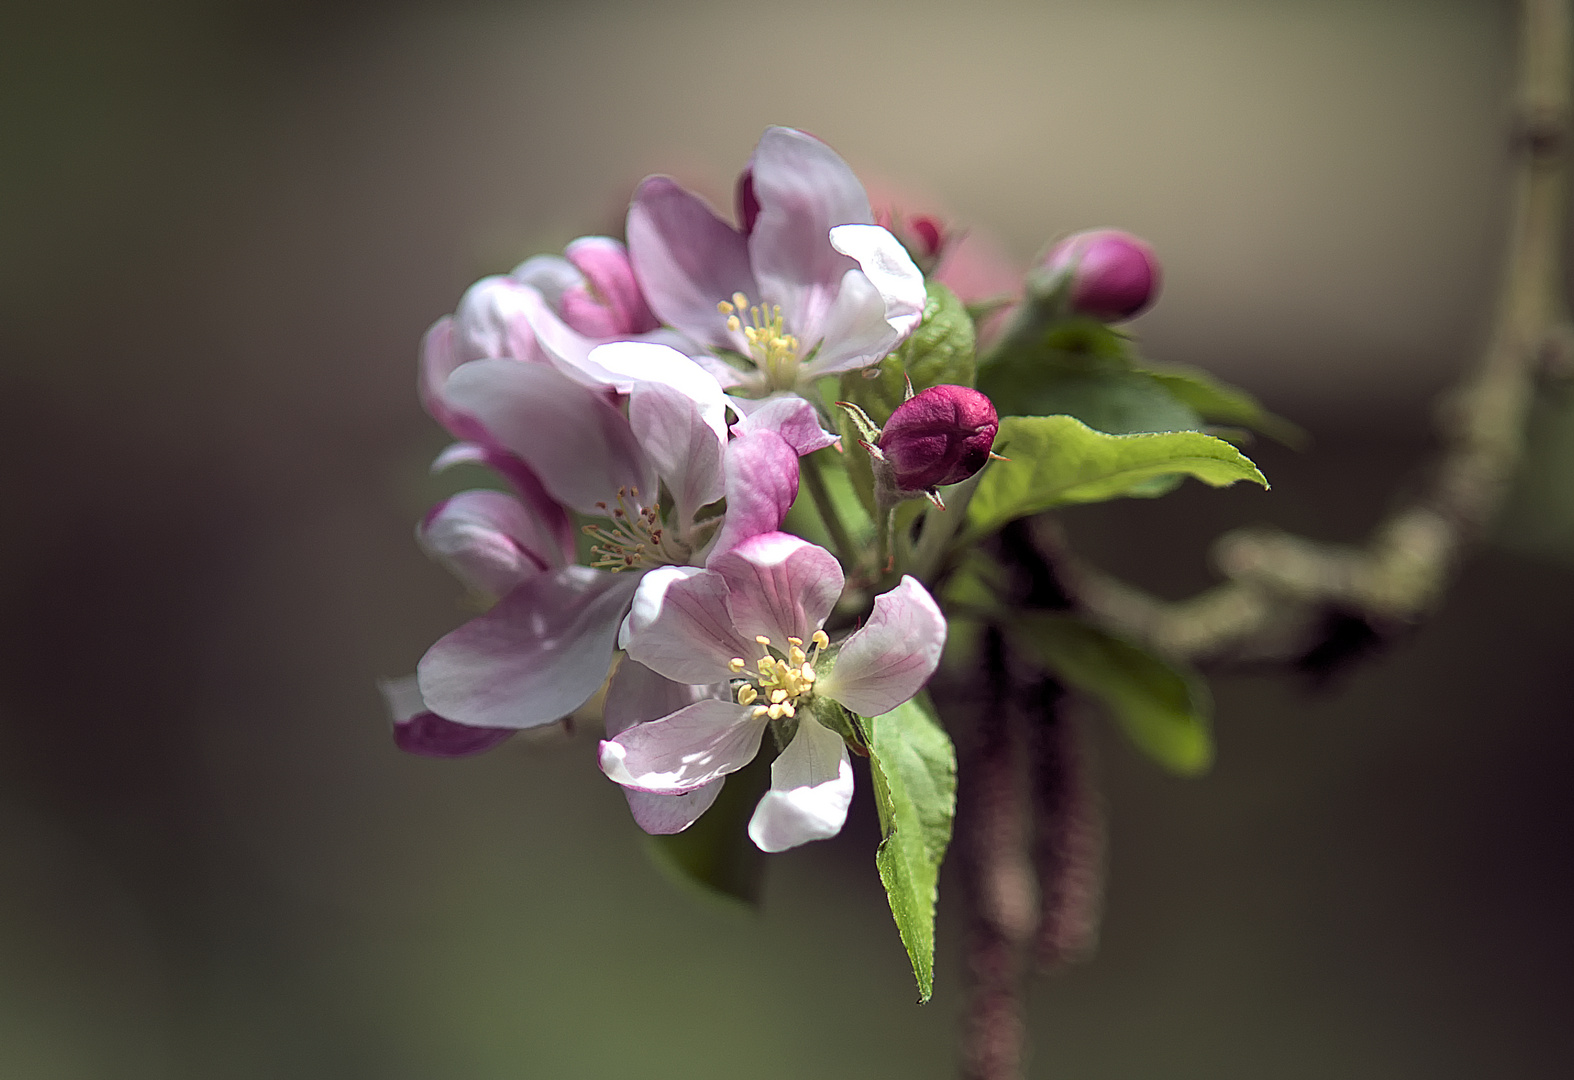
column 779, row 685
column 633, row 537
column 773, row 350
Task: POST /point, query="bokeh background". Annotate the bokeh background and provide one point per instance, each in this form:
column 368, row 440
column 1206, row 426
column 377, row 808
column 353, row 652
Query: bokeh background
column 223, row 228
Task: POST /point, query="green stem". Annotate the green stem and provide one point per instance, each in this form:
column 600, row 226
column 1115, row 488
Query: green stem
column 940, row 526
column 814, row 480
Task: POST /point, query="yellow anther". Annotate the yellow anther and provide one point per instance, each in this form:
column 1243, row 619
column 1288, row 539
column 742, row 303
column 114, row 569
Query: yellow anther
column 796, row 656
column 736, row 664
column 724, row 308
column 747, row 694
column 806, row 673
column 774, row 712
column 778, row 696
column 798, row 641
column 820, row 639
column 734, row 323
column 739, row 301
column 759, row 711
column 787, row 709
column 762, row 639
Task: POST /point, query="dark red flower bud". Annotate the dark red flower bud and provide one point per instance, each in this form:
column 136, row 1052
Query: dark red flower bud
column 1114, row 275
column 939, row 436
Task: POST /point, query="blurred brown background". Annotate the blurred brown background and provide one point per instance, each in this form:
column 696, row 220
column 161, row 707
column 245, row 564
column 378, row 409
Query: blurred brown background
column 223, row 228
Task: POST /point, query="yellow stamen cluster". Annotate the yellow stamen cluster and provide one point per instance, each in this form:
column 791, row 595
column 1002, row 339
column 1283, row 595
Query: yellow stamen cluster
column 780, row 685
column 631, row 539
column 773, row 350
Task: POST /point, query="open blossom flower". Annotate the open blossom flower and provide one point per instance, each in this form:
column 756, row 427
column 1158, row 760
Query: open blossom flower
column 550, row 309
column 806, row 285
column 545, row 647
column 744, row 639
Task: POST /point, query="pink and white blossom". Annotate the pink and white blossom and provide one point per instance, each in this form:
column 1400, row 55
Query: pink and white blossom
column 751, row 622
column 806, row 285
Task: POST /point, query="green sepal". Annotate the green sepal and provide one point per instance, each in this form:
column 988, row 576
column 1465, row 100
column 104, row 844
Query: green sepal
column 914, row 769
column 1224, row 404
column 715, row 855
column 868, row 431
column 1058, row 461
column 1164, row 709
column 830, row 714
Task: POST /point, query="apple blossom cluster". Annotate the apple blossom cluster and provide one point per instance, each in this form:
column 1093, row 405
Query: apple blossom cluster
column 647, row 406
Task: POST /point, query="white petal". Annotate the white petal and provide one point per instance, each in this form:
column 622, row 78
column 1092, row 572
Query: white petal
column 888, row 266
column 889, row 658
column 811, row 789
column 692, row 747
column 624, row 364
column 488, row 540
column 856, row 331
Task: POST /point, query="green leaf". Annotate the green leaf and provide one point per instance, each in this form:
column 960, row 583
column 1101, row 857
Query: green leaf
column 1217, row 401
column 1114, row 402
column 1058, row 461
column 914, row 769
column 715, row 854
column 1165, row 710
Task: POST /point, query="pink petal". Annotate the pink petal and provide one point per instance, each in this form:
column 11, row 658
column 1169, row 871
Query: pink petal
column 811, row 789
column 856, row 331
column 684, row 449
column 638, row 695
column 623, row 365
column 679, row 625
column 779, row 586
column 547, row 510
column 535, row 657
column 804, row 189
column 580, row 446
column 890, row 657
column 686, row 259
column 612, row 285
column 694, row 746
column 487, row 539
column 491, row 321
column 761, row 482
column 417, row 730
column 791, row 417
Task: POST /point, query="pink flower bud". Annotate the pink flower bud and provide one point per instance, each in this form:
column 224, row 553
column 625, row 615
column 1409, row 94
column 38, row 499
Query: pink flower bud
column 937, row 437
column 1113, row 274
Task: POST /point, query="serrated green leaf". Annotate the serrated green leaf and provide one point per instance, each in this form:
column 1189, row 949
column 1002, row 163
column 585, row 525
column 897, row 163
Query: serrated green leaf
column 715, row 854
column 1112, row 401
column 914, row 769
column 1059, row 461
column 1224, row 404
column 1165, row 710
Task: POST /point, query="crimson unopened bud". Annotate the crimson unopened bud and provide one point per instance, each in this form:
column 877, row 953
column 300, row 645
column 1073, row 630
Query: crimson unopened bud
column 939, row 436
column 1113, row 274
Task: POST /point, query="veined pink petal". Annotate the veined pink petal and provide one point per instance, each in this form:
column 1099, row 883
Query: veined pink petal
column 612, row 287
column 687, row 259
column 679, row 625
column 578, row 444
column 789, row 416
column 803, row 189
column 888, row 266
column 761, row 481
column 694, row 746
column 638, row 695
column 685, row 450
column 811, row 789
column 418, row 730
column 535, row 657
column 548, row 512
column 488, row 540
column 779, row 586
column 889, row 658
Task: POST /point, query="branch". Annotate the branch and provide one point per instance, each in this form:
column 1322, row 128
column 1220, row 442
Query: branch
column 1281, row 589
